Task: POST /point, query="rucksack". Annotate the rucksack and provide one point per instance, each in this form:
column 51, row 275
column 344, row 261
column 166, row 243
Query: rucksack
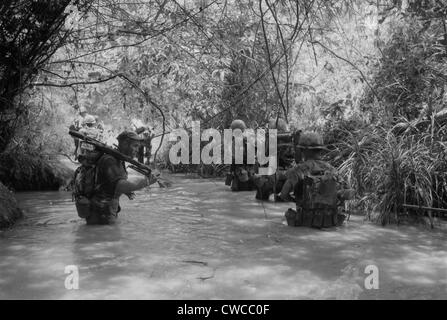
column 319, row 190
column 85, row 184
column 317, row 200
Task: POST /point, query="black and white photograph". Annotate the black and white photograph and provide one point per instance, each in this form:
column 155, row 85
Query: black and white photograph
column 239, row 152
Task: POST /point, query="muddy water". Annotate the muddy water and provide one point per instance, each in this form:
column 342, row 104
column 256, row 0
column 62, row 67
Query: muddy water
column 198, row 240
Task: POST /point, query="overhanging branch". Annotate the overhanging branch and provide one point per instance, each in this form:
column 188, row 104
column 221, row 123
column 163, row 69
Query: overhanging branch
column 73, row 83
column 350, row 63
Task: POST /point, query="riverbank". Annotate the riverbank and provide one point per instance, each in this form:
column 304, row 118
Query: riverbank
column 9, row 208
column 49, row 175
column 22, row 172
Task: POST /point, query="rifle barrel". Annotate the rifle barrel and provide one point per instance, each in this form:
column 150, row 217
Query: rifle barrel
column 137, row 166
column 76, row 134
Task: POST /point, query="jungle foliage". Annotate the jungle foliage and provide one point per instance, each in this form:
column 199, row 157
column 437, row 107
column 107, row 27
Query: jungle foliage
column 370, row 75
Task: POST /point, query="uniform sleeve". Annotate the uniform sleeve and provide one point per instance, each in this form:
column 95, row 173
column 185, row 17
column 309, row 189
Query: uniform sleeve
column 111, row 172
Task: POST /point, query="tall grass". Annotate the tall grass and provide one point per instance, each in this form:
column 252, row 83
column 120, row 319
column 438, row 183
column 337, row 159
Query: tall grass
column 389, row 167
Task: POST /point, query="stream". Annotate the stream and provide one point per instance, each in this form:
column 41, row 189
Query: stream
column 199, row 240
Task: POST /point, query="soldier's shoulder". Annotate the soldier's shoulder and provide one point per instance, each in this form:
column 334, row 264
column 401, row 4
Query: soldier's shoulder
column 107, row 160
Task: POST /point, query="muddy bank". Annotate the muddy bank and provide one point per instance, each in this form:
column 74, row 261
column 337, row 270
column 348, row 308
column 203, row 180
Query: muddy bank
column 27, row 173
column 9, row 209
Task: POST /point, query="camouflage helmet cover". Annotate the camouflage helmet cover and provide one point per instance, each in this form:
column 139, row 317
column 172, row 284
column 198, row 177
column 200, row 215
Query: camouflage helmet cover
column 89, row 119
column 238, row 124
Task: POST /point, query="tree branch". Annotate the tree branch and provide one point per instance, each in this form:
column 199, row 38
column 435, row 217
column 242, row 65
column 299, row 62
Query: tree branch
column 73, row 83
column 350, row 63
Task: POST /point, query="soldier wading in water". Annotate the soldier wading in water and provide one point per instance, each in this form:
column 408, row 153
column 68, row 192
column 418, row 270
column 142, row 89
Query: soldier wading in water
column 102, row 179
column 317, row 187
column 241, row 175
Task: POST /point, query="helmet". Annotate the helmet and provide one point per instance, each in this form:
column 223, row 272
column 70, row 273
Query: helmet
column 130, row 135
column 82, row 109
column 89, row 119
column 311, row 140
column 238, row 124
column 281, row 127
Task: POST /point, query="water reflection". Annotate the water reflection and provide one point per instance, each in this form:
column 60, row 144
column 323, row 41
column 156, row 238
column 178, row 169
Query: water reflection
column 95, row 247
column 100, row 254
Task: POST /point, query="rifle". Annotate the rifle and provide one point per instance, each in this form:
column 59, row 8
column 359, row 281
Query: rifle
column 410, row 206
column 135, row 165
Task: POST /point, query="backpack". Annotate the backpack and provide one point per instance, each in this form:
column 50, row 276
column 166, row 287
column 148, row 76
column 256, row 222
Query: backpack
column 319, row 190
column 317, row 200
column 85, row 184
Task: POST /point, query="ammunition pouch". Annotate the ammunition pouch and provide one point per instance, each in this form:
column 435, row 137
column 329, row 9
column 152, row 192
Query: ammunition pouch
column 83, row 207
column 95, row 206
column 105, row 207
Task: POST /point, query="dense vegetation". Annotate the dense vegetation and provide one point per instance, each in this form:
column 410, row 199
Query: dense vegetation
column 369, row 75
